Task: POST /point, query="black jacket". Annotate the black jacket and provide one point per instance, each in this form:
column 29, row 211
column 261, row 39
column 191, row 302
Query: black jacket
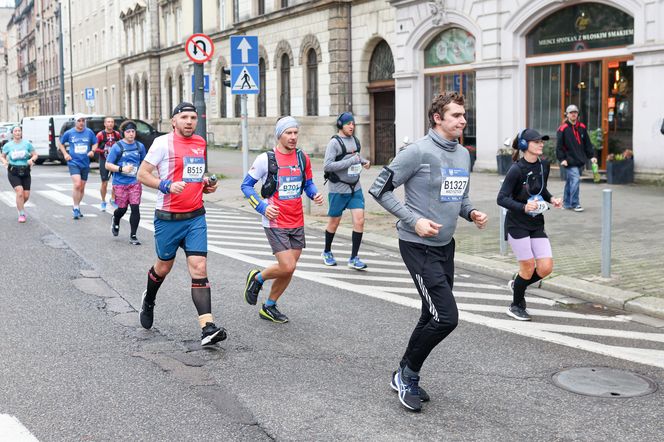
column 573, row 144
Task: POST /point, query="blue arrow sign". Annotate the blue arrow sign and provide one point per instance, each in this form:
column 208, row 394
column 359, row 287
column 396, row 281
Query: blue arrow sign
column 244, row 49
column 244, row 65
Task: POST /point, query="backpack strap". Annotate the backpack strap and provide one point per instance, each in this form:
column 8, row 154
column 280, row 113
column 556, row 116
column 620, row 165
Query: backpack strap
column 344, row 151
column 302, row 162
column 269, row 187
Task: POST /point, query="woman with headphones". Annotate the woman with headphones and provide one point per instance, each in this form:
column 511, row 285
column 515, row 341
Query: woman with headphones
column 524, row 195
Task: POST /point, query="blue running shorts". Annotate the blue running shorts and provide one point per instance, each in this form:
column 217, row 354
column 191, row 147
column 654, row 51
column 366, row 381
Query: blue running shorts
column 75, row 169
column 338, row 202
column 190, row 234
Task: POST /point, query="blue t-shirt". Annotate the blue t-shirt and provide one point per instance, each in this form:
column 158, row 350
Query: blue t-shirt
column 80, row 143
column 19, row 153
column 133, row 154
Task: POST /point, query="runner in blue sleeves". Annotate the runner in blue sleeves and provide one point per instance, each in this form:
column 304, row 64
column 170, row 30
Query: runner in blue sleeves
column 123, row 160
column 82, row 143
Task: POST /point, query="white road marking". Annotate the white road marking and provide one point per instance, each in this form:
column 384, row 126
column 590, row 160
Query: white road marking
column 11, row 430
column 9, row 197
column 467, row 295
column 58, row 197
column 538, row 313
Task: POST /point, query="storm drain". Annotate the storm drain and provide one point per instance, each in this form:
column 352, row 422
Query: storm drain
column 604, row 382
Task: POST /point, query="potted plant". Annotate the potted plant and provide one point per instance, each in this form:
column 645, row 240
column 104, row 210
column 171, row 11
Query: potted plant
column 620, row 167
column 472, row 150
column 504, row 157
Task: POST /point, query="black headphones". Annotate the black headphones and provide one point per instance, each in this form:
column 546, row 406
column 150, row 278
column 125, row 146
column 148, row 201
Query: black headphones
column 340, row 124
column 520, row 142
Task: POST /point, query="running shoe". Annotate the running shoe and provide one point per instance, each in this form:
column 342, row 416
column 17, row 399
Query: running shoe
column 133, row 240
column 77, row 213
column 21, row 218
column 510, row 283
column 356, row 263
column 271, row 313
column 519, row 313
column 409, row 392
column 328, row 259
column 103, row 206
column 424, row 396
column 578, row 209
column 211, row 334
column 115, row 228
column 146, row 314
column 252, row 287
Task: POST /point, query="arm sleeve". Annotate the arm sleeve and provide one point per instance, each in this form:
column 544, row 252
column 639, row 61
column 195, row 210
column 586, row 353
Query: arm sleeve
column 309, row 187
column 505, row 198
column 333, row 149
column 402, row 168
column 249, row 192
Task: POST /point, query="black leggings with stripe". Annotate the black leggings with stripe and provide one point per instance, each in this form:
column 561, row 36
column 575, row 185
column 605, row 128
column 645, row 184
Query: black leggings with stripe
column 432, row 270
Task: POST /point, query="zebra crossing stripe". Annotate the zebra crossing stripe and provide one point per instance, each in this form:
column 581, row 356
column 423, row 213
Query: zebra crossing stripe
column 539, row 313
column 58, row 197
column 11, row 430
column 8, row 197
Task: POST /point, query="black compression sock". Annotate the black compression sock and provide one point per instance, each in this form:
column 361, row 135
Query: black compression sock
column 328, row 241
column 154, row 282
column 534, row 278
column 357, row 240
column 200, row 294
column 520, row 285
column 134, row 218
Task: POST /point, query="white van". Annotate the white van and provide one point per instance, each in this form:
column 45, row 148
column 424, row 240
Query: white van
column 42, row 131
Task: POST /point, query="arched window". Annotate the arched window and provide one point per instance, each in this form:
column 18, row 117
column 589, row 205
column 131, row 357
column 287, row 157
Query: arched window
column 180, row 88
column 237, row 106
column 222, row 94
column 312, row 83
column 381, row 66
column 137, row 96
column 284, row 99
column 145, row 99
column 169, row 85
column 262, row 98
column 129, row 99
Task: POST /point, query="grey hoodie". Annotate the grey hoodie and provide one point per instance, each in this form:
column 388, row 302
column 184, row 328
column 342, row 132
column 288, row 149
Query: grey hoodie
column 435, row 174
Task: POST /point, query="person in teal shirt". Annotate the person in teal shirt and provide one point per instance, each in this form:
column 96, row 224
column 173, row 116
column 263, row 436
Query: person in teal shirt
column 18, row 156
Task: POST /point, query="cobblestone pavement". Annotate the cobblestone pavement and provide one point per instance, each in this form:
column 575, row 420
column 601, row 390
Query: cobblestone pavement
column 638, row 224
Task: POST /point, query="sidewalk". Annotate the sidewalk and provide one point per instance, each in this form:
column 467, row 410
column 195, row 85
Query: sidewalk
column 637, row 275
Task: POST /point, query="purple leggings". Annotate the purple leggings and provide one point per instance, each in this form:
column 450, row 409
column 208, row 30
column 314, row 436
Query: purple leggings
column 528, row 248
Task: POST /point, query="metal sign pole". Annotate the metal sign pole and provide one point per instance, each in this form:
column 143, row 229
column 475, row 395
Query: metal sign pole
column 199, row 95
column 245, row 135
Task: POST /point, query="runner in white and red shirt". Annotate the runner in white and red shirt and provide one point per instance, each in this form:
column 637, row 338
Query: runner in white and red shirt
column 280, row 204
column 179, row 159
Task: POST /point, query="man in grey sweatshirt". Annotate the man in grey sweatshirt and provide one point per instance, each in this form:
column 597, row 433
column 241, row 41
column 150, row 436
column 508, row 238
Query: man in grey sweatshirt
column 342, row 167
column 434, row 171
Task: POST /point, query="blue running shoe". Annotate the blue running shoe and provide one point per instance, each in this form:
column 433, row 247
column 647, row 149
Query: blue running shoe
column 76, row 213
column 103, row 206
column 356, row 263
column 424, row 396
column 409, row 392
column 328, row 259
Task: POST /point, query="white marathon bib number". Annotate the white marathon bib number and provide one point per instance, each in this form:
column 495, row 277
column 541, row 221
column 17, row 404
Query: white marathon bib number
column 193, row 170
column 290, row 187
column 354, row 170
column 453, row 184
column 18, row 154
column 542, row 206
column 80, row 148
column 125, row 166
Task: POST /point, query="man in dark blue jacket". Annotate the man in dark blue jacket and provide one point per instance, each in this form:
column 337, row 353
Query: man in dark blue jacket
column 573, row 148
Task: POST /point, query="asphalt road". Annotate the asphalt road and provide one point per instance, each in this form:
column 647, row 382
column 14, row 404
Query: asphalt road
column 75, row 364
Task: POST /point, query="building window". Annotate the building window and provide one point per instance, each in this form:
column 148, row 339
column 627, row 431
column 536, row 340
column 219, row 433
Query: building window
column 236, row 11
column 129, row 99
column 222, row 94
column 284, row 98
column 261, row 7
column 452, row 46
column 284, row 3
column 237, row 105
column 145, row 99
column 262, row 98
column 137, row 98
column 180, row 88
column 169, row 86
column 312, row 83
column 381, row 66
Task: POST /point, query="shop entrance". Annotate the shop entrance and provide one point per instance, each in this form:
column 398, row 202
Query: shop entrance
column 602, row 90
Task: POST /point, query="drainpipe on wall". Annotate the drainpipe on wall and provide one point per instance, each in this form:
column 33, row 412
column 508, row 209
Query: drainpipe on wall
column 350, row 59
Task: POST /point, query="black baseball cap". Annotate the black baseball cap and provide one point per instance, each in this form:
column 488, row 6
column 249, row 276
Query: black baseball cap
column 533, row 135
column 183, row 107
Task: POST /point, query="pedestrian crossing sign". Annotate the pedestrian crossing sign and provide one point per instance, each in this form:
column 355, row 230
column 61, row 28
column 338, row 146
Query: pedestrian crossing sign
column 244, row 79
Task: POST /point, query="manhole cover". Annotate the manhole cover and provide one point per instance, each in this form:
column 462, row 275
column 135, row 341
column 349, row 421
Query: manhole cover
column 604, row 382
